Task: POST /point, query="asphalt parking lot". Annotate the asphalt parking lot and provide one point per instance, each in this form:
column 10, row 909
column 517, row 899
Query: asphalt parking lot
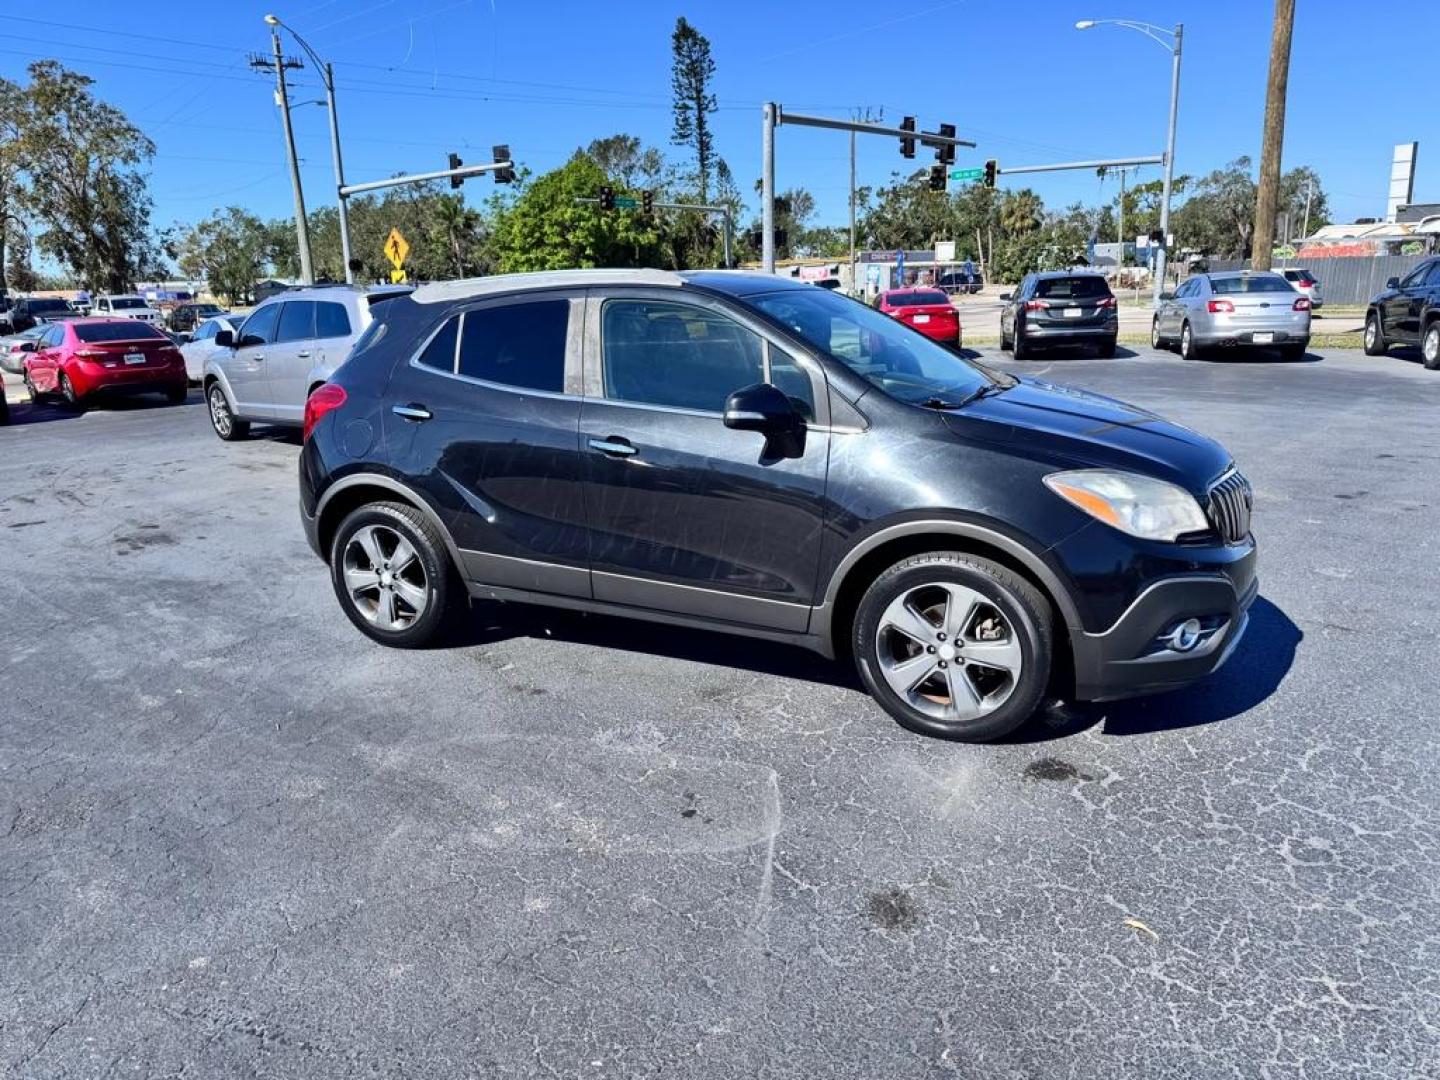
column 237, row 838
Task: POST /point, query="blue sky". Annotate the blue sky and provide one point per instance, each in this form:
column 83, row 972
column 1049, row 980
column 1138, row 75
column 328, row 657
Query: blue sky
column 418, row 78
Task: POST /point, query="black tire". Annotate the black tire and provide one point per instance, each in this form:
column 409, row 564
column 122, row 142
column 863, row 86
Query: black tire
column 446, row 601
column 1005, row 343
column 222, row 418
column 68, row 395
column 1106, row 349
column 178, row 395
column 1375, row 343
column 1018, row 603
column 1188, row 349
column 1157, row 340
column 4, row 408
column 1430, row 346
column 1022, row 351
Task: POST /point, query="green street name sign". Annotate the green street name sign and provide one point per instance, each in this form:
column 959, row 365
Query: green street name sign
column 966, row 174
column 624, row 202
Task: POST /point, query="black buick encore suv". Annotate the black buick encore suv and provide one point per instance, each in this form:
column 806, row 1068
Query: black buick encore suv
column 745, row 453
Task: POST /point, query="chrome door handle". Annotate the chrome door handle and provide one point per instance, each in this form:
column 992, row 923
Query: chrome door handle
column 418, row 413
column 613, row 446
column 304, row 355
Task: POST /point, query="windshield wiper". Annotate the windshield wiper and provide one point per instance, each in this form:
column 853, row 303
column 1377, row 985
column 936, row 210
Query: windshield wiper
column 982, row 391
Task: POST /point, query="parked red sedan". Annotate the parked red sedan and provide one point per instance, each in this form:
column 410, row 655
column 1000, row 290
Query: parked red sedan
column 83, row 357
column 926, row 310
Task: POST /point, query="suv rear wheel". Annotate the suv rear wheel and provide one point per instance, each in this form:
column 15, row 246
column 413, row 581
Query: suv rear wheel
column 954, row 645
column 393, row 577
column 1430, row 346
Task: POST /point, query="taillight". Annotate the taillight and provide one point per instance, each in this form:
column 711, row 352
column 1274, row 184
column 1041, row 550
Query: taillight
column 1221, row 307
column 1035, row 305
column 1303, row 304
column 1105, row 302
column 326, row 398
column 90, row 354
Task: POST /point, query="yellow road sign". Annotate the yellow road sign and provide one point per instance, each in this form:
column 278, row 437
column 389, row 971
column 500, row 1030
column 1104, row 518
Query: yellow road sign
column 396, row 248
column 397, row 276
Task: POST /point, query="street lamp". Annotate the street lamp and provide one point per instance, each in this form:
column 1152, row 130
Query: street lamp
column 1171, row 41
column 273, row 21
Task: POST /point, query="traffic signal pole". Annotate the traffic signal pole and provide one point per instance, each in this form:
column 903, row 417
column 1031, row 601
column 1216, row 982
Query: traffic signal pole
column 424, row 177
column 773, row 116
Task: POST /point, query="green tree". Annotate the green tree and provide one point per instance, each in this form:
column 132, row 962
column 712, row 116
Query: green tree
column 627, row 161
column 1219, row 216
column 1297, row 187
column 230, row 250
column 12, row 109
column 82, row 158
column 690, row 76
column 546, row 229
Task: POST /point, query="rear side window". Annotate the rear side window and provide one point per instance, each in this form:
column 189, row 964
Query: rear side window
column 331, row 320
column 520, row 345
column 297, row 321
column 440, row 353
column 1224, row 286
column 129, row 330
column 1087, row 287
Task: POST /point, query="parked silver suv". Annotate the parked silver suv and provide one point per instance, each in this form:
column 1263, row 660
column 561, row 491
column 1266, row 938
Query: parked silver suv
column 1240, row 309
column 285, row 348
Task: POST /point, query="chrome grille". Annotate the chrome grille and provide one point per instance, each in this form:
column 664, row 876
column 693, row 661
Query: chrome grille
column 1231, row 500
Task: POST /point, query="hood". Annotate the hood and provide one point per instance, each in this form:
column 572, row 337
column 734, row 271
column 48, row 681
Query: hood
column 1079, row 429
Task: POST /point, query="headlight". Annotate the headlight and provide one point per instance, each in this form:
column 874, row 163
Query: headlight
column 1139, row 505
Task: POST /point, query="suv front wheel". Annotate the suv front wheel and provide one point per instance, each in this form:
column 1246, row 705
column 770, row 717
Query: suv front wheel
column 954, row 645
column 393, row 577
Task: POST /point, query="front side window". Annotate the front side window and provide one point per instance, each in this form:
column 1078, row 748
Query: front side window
column 884, row 352
column 297, row 321
column 1416, row 276
column 1433, row 278
column 682, row 357
column 207, row 331
column 259, row 328
column 331, row 320
column 519, row 345
column 52, row 337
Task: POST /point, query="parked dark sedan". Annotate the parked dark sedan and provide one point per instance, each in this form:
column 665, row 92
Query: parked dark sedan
column 1407, row 313
column 1059, row 308
column 742, row 453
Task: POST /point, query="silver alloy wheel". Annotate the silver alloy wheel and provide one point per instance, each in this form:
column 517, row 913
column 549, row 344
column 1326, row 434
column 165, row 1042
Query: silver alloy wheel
column 1371, row 329
column 385, row 577
column 220, row 411
column 948, row 652
column 1431, row 346
column 1187, row 343
column 1155, row 332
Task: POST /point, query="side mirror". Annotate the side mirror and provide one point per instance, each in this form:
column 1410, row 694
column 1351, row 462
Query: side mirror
column 1393, row 283
column 225, row 339
column 1167, row 295
column 765, row 408
column 1007, row 297
column 27, row 346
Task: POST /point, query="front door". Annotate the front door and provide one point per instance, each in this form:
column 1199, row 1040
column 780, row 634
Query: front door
column 1402, row 311
column 486, row 417
column 289, row 360
column 245, row 365
column 687, row 515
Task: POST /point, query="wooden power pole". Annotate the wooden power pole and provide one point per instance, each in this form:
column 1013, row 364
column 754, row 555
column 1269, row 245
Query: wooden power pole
column 1267, row 197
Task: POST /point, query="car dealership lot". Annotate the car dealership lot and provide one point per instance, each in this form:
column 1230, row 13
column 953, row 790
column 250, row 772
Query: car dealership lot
column 238, row 837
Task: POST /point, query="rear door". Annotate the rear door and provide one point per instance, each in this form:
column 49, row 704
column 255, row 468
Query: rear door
column 687, row 515
column 485, row 418
column 335, row 333
column 290, row 358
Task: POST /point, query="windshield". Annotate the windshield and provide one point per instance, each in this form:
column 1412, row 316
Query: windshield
column 883, row 351
column 1259, row 283
column 208, row 309
column 49, row 305
column 122, row 302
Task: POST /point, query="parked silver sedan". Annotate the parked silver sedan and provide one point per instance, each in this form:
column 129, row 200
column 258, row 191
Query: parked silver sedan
column 1244, row 309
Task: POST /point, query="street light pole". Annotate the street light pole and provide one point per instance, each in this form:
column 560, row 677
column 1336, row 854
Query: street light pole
column 275, row 23
column 1158, row 35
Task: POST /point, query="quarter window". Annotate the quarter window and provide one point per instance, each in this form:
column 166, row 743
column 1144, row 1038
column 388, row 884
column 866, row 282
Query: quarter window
column 297, row 322
column 331, row 320
column 659, row 353
column 520, row 345
column 259, row 328
column 440, row 353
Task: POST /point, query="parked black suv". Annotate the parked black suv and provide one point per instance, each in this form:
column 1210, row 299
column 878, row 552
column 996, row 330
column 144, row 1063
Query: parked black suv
column 30, row 310
column 1059, row 307
column 1407, row 313
column 748, row 454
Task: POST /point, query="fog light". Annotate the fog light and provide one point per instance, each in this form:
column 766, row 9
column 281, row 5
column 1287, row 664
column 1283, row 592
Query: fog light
column 1183, row 636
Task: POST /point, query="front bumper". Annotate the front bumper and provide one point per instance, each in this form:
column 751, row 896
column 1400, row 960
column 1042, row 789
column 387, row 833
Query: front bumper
column 1129, row 658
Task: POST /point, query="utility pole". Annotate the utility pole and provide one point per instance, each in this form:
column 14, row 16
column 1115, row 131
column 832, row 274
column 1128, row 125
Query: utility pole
column 852, row 211
column 1120, row 228
column 1309, row 195
column 1267, row 196
column 282, row 98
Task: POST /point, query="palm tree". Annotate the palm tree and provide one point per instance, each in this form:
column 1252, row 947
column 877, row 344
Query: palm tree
column 457, row 224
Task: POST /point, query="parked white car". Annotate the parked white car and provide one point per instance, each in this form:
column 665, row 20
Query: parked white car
column 202, row 343
column 125, row 307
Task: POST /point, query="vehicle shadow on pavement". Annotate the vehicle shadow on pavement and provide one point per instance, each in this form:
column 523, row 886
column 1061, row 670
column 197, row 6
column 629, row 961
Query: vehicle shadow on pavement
column 49, row 410
column 1255, row 671
column 491, row 622
column 1258, row 356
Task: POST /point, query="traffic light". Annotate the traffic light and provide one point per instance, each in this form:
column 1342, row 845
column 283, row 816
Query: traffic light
column 647, row 201
column 782, row 240
column 498, row 154
column 1157, row 237
column 937, row 177
column 991, row 168
column 945, row 152
column 455, row 163
column 907, row 144
column 607, row 198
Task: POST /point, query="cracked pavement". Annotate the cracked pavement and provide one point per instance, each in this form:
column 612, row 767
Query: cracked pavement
column 238, row 839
